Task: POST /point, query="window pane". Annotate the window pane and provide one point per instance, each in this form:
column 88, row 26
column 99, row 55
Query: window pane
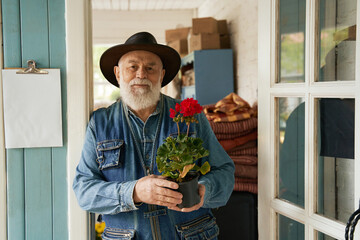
column 104, row 92
column 290, row 229
column 335, row 131
column 337, row 34
column 322, row 236
column 292, row 41
column 291, row 149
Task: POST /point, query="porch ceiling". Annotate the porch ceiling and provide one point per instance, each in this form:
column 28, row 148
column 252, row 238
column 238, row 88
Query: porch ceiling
column 126, row 5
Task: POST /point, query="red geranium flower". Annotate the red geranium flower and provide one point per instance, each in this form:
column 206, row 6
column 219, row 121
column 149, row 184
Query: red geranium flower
column 172, row 113
column 177, row 107
column 190, row 107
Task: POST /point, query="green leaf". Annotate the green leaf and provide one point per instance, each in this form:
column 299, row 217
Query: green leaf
column 171, row 175
column 186, row 159
column 205, row 168
column 196, row 168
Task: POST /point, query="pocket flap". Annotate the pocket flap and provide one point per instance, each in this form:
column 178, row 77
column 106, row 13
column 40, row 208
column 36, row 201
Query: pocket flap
column 204, row 227
column 109, row 153
column 117, row 234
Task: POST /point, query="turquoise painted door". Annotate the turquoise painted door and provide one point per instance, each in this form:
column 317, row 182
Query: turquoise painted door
column 36, row 177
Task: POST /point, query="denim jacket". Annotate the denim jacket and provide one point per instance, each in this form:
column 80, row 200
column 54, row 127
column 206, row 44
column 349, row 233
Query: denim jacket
column 110, row 166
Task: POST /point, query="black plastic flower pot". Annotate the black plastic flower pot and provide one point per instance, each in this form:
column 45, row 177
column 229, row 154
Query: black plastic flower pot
column 189, row 189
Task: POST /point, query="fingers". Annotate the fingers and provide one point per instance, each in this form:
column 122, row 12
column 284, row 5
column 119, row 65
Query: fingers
column 202, row 190
column 156, row 190
column 162, row 182
column 159, row 191
column 165, row 196
column 167, row 201
column 193, row 208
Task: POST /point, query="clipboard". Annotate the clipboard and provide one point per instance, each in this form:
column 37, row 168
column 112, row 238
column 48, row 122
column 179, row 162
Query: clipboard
column 32, row 107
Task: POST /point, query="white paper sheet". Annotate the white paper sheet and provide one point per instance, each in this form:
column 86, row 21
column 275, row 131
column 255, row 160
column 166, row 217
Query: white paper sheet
column 32, row 109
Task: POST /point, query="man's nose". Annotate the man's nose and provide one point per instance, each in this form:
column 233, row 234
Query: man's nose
column 141, row 73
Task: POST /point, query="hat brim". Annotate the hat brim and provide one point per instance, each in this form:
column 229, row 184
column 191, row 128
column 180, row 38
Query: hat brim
column 170, row 58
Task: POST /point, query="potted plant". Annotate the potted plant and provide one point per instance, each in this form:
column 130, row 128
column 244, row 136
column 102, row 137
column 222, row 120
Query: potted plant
column 177, row 158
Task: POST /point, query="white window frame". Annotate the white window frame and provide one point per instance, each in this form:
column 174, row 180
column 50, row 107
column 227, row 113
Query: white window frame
column 268, row 205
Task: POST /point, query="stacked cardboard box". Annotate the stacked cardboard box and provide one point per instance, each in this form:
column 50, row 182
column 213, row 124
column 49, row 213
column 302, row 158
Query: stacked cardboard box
column 177, row 39
column 205, row 33
column 208, row 33
column 224, row 34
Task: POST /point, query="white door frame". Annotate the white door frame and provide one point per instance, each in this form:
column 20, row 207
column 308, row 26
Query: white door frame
column 265, row 164
column 79, row 85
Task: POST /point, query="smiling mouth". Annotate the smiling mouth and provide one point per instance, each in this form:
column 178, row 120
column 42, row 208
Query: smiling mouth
column 140, row 85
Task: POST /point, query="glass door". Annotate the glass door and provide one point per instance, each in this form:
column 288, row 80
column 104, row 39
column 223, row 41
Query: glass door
column 310, row 97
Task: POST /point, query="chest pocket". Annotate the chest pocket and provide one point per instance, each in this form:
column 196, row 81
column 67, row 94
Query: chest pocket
column 109, row 153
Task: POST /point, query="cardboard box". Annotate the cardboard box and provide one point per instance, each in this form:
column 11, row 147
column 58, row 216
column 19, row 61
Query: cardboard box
column 204, row 25
column 222, row 27
column 176, row 34
column 225, row 41
column 204, row 41
column 181, row 46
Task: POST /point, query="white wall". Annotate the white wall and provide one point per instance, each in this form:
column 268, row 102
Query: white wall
column 242, row 18
column 113, row 27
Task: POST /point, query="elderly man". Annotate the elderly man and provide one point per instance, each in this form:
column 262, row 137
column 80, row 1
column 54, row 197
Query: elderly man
column 117, row 174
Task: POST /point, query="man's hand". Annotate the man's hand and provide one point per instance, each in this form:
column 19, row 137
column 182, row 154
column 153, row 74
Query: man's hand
column 202, row 190
column 156, row 190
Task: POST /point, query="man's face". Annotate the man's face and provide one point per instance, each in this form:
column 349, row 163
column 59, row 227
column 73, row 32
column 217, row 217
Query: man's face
column 140, row 74
column 141, row 65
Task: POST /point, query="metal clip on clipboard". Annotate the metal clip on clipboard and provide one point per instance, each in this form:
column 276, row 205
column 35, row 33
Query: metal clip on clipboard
column 31, row 69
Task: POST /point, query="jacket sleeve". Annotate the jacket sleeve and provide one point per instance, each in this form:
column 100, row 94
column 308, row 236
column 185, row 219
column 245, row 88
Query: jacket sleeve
column 93, row 193
column 219, row 182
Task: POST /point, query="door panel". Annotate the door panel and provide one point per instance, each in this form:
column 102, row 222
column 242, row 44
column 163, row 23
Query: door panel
column 291, row 41
column 337, row 35
column 335, row 157
column 291, row 150
column 322, row 236
column 290, row 229
column 308, row 87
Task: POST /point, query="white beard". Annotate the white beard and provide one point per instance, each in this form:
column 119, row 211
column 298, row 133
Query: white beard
column 140, row 98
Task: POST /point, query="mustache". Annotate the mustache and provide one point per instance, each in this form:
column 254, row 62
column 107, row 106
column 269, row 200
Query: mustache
column 140, row 81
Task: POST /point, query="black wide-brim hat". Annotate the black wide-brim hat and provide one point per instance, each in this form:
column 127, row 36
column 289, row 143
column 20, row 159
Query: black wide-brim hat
column 140, row 41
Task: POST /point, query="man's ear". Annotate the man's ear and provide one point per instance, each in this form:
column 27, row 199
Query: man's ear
column 162, row 75
column 117, row 73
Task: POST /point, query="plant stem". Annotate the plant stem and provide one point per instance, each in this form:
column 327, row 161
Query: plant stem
column 178, row 128
column 188, row 127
